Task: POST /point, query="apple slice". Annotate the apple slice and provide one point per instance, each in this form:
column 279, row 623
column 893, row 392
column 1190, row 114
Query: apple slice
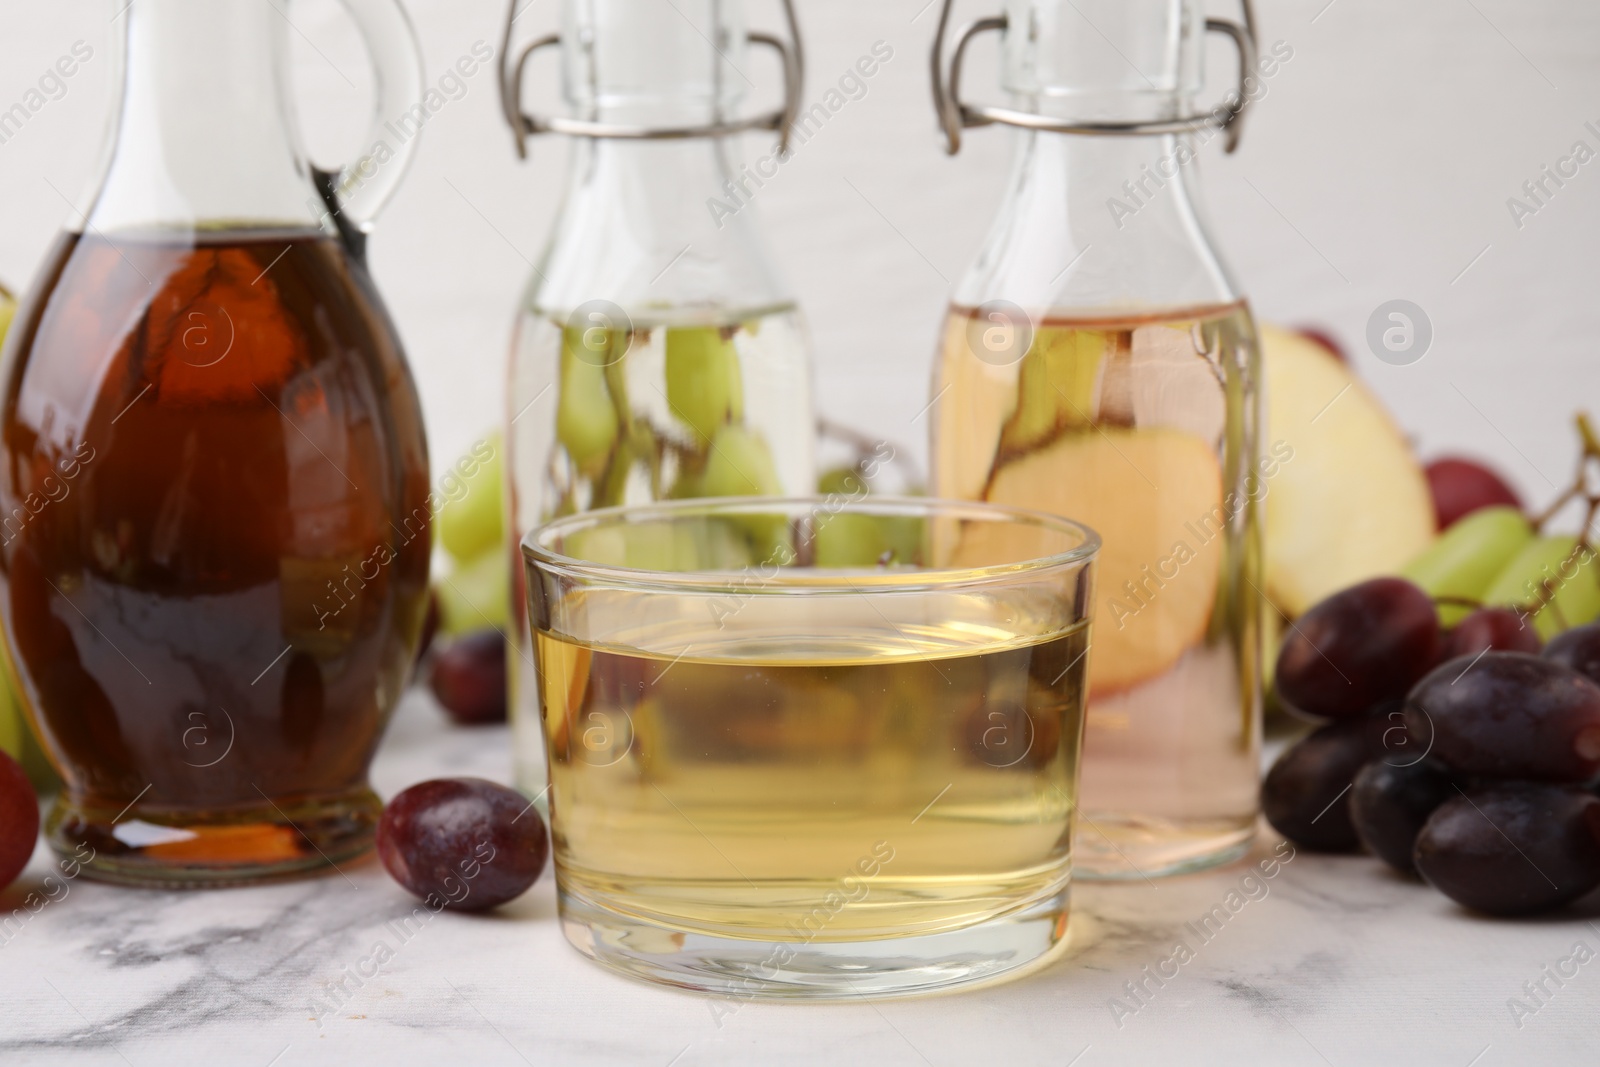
column 1350, row 502
column 1155, row 498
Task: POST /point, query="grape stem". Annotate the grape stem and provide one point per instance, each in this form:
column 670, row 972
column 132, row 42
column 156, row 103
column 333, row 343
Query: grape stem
column 826, row 427
column 1588, row 455
column 1590, row 452
column 866, row 448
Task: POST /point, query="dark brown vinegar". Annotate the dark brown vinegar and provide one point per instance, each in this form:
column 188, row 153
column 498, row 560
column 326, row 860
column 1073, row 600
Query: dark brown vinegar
column 214, row 541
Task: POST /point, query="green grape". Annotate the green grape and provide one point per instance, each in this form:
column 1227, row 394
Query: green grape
column 1466, row 559
column 473, row 517
column 1057, row 383
column 17, row 738
column 1577, row 584
column 607, row 545
column 845, row 481
column 476, row 595
column 586, row 417
column 906, row 536
column 715, row 544
column 740, row 464
column 850, row 539
column 704, row 385
column 685, row 486
column 647, row 546
column 12, row 729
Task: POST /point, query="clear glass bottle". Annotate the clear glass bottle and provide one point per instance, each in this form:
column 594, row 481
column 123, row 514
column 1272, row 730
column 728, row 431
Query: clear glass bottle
column 657, row 353
column 213, row 471
column 1098, row 361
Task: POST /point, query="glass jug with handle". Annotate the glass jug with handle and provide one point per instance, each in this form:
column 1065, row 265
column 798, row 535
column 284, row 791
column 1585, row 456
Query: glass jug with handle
column 213, row 473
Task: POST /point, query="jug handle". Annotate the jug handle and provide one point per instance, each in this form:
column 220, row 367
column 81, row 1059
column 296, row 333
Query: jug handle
column 355, row 194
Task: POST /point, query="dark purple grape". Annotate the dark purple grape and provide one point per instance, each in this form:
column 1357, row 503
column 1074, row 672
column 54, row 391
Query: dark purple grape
column 462, row 843
column 1306, row 794
column 1514, row 848
column 19, row 819
column 1490, row 629
column 1358, row 648
column 1578, row 648
column 1391, row 802
column 1508, row 715
column 468, row 675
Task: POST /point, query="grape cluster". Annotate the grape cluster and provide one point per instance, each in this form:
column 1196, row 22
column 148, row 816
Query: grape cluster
column 1468, row 756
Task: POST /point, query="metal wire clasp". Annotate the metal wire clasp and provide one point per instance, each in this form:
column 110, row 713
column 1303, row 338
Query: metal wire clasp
column 954, row 116
column 524, row 125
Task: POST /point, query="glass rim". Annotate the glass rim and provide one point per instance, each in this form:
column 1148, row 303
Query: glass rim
column 536, row 550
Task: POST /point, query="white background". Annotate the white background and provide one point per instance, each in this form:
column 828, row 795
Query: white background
column 1377, row 167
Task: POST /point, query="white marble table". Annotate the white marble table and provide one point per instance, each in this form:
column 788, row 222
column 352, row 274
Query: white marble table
column 1334, row 962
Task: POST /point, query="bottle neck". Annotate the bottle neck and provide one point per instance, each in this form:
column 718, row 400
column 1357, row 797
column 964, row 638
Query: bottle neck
column 1100, row 224
column 656, row 64
column 204, row 136
column 1104, row 60
column 660, row 227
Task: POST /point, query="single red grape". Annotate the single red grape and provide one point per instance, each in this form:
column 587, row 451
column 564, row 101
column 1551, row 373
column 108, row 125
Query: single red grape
column 468, row 675
column 1306, row 794
column 1358, row 648
column 19, row 820
column 1491, row 629
column 1515, row 848
column 1578, row 648
column 1508, row 715
column 1462, row 486
column 462, row 843
column 1391, row 803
